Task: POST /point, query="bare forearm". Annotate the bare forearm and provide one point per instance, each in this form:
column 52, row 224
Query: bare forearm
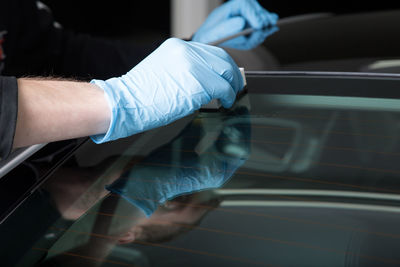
column 52, row 110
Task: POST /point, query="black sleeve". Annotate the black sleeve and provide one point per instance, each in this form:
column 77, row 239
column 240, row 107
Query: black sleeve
column 8, row 114
column 36, row 45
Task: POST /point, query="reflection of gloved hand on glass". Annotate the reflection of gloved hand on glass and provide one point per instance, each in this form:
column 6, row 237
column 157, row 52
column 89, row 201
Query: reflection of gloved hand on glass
column 233, row 17
column 168, row 173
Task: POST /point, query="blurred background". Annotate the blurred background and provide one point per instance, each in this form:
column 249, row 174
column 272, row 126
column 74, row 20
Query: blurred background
column 350, row 35
column 179, row 17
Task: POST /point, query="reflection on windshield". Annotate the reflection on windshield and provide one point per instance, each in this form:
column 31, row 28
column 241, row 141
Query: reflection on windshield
column 287, row 181
column 160, row 177
column 169, row 187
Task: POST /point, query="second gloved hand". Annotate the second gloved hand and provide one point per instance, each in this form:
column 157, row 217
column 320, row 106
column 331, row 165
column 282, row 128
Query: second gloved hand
column 172, row 82
column 233, row 17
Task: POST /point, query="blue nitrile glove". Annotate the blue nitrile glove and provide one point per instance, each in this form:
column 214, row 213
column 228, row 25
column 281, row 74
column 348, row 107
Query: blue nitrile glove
column 159, row 177
column 233, row 17
column 172, row 82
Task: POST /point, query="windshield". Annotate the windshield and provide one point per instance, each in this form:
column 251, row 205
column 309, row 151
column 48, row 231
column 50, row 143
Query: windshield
column 278, row 180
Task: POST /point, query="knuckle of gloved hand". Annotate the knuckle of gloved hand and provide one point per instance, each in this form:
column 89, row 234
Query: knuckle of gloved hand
column 176, row 46
column 244, row 1
column 177, row 51
column 222, row 54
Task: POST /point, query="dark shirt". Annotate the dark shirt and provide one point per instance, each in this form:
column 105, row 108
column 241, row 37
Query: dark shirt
column 33, row 44
column 8, row 113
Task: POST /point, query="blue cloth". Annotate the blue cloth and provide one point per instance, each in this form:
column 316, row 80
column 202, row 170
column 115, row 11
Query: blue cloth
column 233, row 17
column 172, row 82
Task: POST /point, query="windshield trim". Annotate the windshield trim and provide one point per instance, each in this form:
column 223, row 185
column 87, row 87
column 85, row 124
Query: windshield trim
column 17, row 157
column 310, row 74
column 350, row 84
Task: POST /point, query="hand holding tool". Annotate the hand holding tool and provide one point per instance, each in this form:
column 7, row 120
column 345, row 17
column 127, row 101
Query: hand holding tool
column 232, row 18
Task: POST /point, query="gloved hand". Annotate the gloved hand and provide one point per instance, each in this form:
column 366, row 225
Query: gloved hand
column 172, row 82
column 233, row 17
column 160, row 177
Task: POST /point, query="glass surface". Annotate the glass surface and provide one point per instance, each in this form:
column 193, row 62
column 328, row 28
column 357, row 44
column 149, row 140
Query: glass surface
column 275, row 181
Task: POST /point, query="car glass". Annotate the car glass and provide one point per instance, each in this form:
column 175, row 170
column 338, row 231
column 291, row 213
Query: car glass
column 278, row 180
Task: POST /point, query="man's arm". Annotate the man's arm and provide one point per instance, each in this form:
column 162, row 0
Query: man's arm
column 154, row 93
column 50, row 110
